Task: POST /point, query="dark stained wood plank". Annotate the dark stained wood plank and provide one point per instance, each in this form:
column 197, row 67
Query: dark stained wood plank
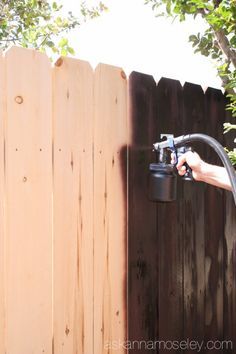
column 193, row 234
column 230, row 256
column 143, row 241
column 230, row 275
column 182, row 255
column 170, row 226
column 214, row 225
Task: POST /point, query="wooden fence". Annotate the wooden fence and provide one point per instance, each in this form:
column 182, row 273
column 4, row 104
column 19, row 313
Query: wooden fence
column 86, row 261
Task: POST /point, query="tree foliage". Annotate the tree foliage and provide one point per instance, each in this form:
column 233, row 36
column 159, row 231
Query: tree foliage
column 217, row 42
column 40, row 24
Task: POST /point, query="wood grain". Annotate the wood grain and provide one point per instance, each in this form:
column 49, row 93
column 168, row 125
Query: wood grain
column 28, row 211
column 2, row 200
column 73, row 206
column 110, row 208
column 214, row 225
column 143, row 239
column 229, row 318
column 170, row 223
column 194, row 217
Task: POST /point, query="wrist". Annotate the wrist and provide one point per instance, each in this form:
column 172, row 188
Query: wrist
column 202, row 172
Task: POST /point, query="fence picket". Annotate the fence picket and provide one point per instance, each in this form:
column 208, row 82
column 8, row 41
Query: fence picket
column 193, row 232
column 2, row 194
column 28, row 208
column 110, row 208
column 229, row 317
column 214, row 225
column 143, row 240
column 170, row 223
column 73, row 206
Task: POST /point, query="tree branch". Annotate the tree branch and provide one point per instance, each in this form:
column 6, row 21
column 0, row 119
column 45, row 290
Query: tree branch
column 221, row 38
column 225, row 46
column 225, row 82
column 202, row 12
column 217, row 3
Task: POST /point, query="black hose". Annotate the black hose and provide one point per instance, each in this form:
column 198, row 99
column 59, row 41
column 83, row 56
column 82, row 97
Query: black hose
column 184, row 139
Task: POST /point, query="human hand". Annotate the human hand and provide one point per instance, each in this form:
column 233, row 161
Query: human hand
column 193, row 160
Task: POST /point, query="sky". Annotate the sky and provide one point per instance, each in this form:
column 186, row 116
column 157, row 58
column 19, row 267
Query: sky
column 129, row 35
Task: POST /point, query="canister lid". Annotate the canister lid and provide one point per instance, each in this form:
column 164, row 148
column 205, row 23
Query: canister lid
column 161, row 167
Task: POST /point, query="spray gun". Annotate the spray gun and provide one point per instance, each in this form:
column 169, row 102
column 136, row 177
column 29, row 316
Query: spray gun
column 163, row 175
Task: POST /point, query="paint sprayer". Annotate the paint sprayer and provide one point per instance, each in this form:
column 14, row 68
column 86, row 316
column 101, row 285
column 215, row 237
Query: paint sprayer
column 163, row 175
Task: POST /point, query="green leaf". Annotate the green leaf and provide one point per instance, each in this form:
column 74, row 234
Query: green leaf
column 71, row 50
column 63, row 42
column 193, row 38
column 64, row 52
column 50, row 44
column 168, row 7
column 54, row 5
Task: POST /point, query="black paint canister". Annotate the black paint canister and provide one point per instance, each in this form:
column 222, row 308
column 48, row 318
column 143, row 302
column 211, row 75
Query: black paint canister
column 162, row 182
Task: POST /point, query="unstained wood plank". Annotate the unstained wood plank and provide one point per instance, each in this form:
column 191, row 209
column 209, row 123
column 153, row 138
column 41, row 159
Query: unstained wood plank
column 73, row 206
column 28, row 211
column 110, row 209
column 2, row 194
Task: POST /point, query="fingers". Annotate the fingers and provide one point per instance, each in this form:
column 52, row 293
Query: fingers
column 193, row 160
column 181, row 160
column 182, row 170
column 173, row 158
